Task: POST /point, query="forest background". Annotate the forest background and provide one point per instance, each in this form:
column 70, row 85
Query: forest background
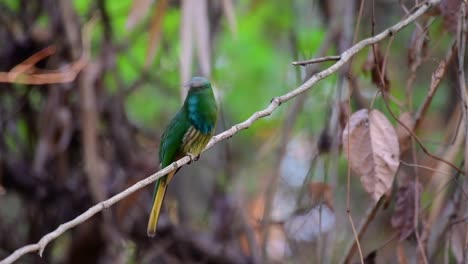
column 361, row 160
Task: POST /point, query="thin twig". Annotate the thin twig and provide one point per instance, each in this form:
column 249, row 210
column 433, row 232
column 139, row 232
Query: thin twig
column 65, row 75
column 31, row 61
column 60, row 76
column 369, row 216
column 461, row 42
column 437, row 77
column 348, row 73
column 317, row 60
column 421, row 145
column 425, row 167
column 275, row 103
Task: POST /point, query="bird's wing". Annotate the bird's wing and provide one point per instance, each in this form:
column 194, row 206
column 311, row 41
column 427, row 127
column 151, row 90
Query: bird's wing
column 171, row 142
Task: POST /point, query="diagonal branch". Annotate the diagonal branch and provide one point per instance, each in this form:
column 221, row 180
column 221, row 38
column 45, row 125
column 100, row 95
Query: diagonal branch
column 275, row 103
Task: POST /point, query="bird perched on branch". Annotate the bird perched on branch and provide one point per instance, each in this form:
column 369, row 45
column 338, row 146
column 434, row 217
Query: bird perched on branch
column 187, row 134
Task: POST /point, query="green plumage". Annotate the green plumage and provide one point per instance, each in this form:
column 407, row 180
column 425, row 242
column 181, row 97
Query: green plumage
column 188, row 132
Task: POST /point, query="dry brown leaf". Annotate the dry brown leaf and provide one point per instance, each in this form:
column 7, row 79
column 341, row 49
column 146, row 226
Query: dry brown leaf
column 370, row 258
column 371, row 146
column 277, row 246
column 320, row 192
column 375, row 65
column 345, row 112
column 404, row 212
column 155, row 31
column 449, row 10
column 404, row 137
column 139, row 9
column 254, row 214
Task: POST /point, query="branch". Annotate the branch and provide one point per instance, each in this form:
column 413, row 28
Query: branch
column 65, row 75
column 275, row 103
column 461, row 42
column 317, row 60
column 25, row 73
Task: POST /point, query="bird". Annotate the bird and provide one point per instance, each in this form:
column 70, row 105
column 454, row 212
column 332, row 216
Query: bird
column 188, row 133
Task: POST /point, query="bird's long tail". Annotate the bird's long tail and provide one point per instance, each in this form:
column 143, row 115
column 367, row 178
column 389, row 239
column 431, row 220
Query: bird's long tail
column 158, row 198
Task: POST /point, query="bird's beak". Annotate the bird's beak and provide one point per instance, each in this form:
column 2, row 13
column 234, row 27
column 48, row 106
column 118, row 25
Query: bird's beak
column 187, row 84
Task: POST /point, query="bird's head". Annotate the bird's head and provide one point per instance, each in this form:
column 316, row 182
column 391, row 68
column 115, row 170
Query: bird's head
column 198, row 84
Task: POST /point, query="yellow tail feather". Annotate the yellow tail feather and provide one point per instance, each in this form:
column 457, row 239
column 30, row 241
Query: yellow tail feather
column 157, row 204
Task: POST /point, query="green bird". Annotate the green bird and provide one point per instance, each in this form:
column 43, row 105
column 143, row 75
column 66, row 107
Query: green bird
column 188, row 133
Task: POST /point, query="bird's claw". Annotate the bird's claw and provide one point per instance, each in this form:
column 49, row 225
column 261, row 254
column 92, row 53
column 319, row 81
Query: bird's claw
column 193, row 157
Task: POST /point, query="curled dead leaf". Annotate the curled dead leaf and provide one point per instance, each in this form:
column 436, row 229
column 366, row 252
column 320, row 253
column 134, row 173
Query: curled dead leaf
column 371, row 146
column 404, row 137
column 405, row 211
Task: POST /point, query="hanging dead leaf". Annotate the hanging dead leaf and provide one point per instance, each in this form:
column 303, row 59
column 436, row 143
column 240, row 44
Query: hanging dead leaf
column 345, row 112
column 371, row 146
column 320, row 192
column 277, row 245
column 310, row 225
column 404, row 212
column 137, row 13
column 404, row 137
column 375, row 65
column 255, row 209
column 449, row 10
column 155, row 31
column 324, row 141
column 370, row 258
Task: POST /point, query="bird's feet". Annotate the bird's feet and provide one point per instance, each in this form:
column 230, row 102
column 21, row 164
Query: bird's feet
column 193, row 157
